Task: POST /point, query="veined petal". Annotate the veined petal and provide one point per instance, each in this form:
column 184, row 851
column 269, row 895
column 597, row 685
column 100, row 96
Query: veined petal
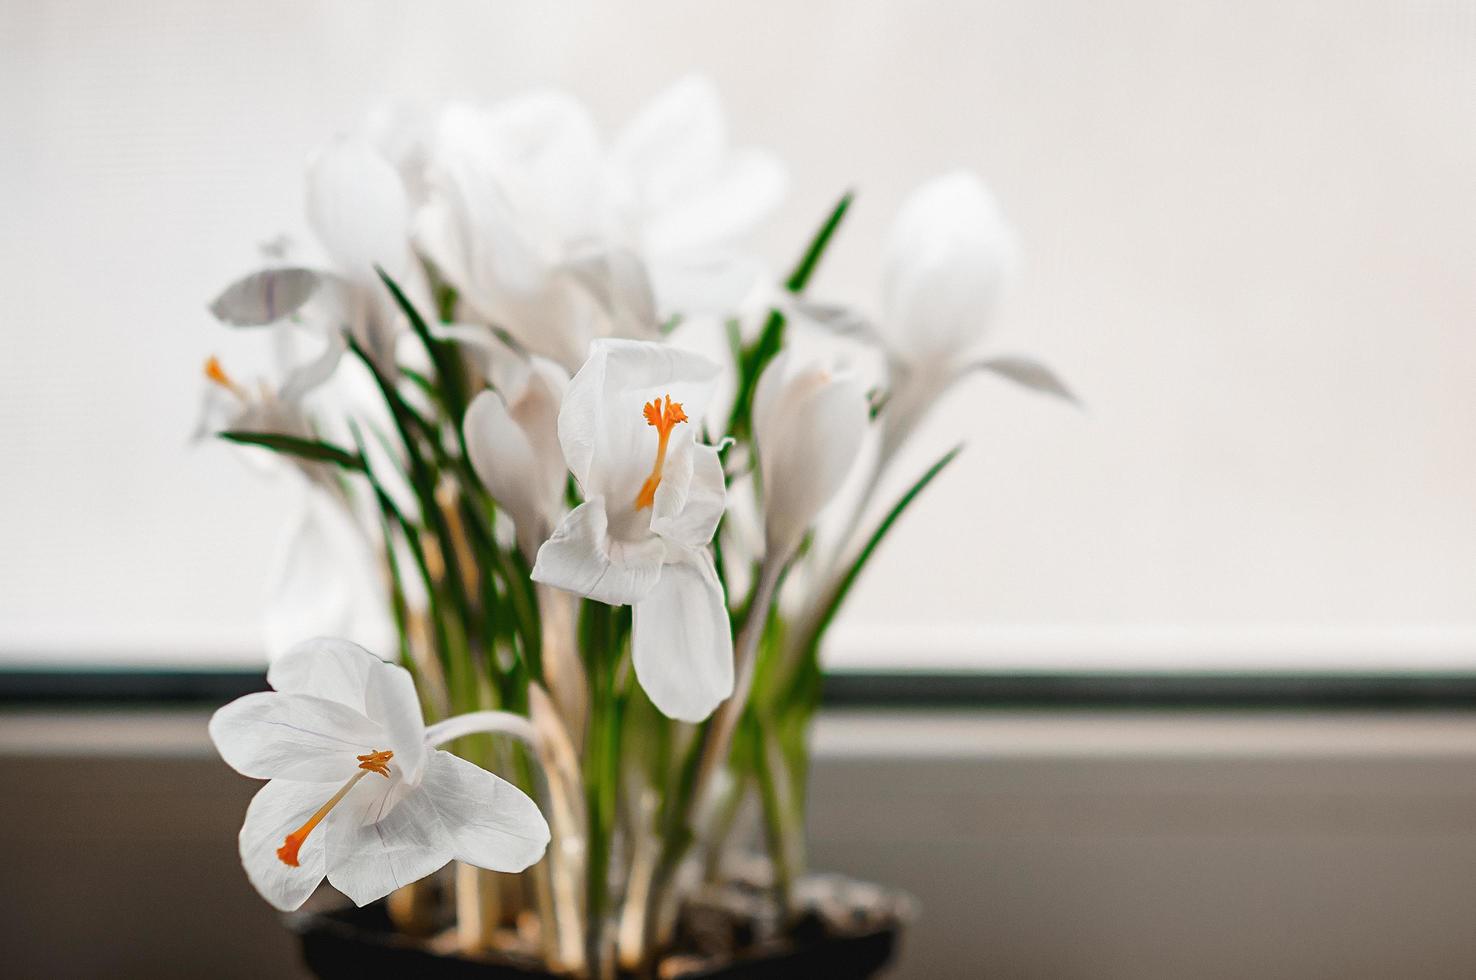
column 693, row 519
column 581, row 557
column 492, row 824
column 292, row 736
column 277, row 809
column 357, row 206
column 681, row 640
column 390, row 699
column 386, row 838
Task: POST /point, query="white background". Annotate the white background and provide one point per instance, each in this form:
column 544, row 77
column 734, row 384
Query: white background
column 1250, row 240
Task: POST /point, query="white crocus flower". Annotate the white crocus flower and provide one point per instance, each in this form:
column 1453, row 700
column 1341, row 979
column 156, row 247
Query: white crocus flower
column 687, row 197
column 358, row 792
column 948, row 256
column 359, row 212
column 515, row 193
column 512, row 437
column 808, row 424
column 653, row 498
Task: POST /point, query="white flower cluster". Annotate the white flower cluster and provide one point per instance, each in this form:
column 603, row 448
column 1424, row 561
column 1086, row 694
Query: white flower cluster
column 568, row 280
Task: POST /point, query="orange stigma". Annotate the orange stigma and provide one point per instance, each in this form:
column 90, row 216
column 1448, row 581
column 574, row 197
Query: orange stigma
column 374, row 761
column 664, row 418
column 216, row 374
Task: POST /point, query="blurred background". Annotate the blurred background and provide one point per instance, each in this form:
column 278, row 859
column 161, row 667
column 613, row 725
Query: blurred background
column 1249, row 238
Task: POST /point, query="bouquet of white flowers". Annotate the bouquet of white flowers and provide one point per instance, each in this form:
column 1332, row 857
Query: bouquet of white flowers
column 565, row 450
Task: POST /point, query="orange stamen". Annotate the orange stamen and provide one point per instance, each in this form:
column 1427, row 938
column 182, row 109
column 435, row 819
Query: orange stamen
column 374, row 761
column 664, row 418
column 216, row 374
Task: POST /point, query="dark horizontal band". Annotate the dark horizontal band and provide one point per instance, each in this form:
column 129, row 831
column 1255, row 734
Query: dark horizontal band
column 865, row 689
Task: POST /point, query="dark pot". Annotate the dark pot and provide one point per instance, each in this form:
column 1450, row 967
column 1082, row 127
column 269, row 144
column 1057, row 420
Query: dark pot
column 851, row 935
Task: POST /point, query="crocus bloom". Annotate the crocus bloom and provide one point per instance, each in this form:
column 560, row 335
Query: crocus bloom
column 512, row 193
column 687, row 197
column 357, row 792
column 808, row 424
column 358, row 210
column 653, row 497
column 947, row 259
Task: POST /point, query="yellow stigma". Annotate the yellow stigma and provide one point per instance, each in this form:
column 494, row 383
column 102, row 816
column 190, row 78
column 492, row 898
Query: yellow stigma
column 664, row 418
column 373, row 761
column 216, row 375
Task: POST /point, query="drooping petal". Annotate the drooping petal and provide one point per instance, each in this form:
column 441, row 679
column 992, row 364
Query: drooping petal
column 949, row 253
column 292, row 736
column 583, row 558
column 357, row 206
column 386, row 838
column 692, row 519
column 277, row 809
column 681, row 640
column 492, row 823
column 265, row 296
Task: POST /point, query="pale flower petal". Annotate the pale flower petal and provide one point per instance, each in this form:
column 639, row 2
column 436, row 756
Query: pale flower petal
column 581, row 557
column 492, row 823
column 292, row 736
column 357, row 206
column 694, row 519
column 507, row 464
column 948, row 256
column 809, row 427
column 325, row 667
column 277, row 809
column 379, row 844
column 390, row 699
column 681, row 642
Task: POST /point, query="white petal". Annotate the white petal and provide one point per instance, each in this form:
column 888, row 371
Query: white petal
column 673, row 144
column 810, row 444
column 601, row 421
column 325, row 667
column 381, row 843
column 492, row 823
column 581, row 557
column 506, row 463
column 279, row 808
column 682, row 643
column 292, row 736
column 390, row 699
column 324, row 582
column 356, row 204
column 949, row 253
column 693, row 523
column 749, row 184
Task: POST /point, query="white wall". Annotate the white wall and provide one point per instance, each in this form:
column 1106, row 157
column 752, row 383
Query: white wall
column 1250, row 233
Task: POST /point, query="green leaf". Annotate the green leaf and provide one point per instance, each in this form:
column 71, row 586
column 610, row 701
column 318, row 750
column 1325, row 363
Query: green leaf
column 843, row 587
column 800, row 277
column 442, row 353
column 313, row 450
